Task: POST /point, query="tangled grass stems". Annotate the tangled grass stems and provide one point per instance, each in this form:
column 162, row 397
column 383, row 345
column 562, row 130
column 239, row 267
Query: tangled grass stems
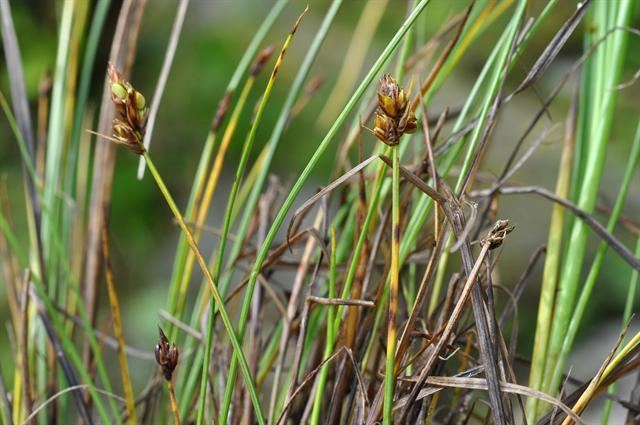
column 366, row 291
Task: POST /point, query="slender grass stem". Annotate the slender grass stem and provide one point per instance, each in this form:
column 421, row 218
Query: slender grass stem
column 389, row 376
column 601, row 122
column 244, row 367
column 174, row 403
column 117, row 330
column 329, row 345
column 246, row 306
column 550, row 272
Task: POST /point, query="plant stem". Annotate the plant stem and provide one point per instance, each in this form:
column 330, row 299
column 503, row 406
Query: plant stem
column 117, row 329
column 596, row 142
column 174, row 403
column 246, row 305
column 389, row 377
column 237, row 349
column 328, row 348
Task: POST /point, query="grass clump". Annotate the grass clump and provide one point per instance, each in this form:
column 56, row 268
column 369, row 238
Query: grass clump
column 410, row 233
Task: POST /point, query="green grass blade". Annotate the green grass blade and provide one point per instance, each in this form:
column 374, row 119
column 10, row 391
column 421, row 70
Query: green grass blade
column 328, row 347
column 198, row 182
column 244, row 367
column 224, row 411
column 596, row 145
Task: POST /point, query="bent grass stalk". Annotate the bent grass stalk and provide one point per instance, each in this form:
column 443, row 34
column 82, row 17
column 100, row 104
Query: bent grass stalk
column 244, row 367
column 224, row 410
column 198, row 183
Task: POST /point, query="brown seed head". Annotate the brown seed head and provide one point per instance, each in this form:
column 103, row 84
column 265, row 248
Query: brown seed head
column 392, row 99
column 131, row 112
column 393, row 116
column 408, row 123
column 127, row 136
column 261, row 60
column 385, row 129
column 166, row 355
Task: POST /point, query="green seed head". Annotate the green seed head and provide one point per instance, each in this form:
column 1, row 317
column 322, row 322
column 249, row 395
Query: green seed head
column 119, row 91
column 140, row 101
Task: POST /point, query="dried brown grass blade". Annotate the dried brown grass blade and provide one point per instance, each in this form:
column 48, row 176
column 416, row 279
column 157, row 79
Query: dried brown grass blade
column 481, row 384
column 328, row 189
column 595, row 225
column 117, row 328
column 121, row 56
column 553, row 48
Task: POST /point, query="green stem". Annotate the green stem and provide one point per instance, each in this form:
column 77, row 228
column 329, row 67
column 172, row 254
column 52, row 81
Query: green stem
column 237, row 349
column 198, row 182
column 389, row 376
column 595, row 155
column 328, row 347
column 587, row 288
column 246, row 306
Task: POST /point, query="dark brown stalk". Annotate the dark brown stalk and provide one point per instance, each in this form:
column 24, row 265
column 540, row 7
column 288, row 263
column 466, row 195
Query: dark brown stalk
column 114, row 303
column 344, row 375
column 308, row 378
column 519, row 287
column 589, row 220
column 44, row 93
column 442, row 59
column 264, row 207
column 633, row 415
column 303, row 328
column 66, row 367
